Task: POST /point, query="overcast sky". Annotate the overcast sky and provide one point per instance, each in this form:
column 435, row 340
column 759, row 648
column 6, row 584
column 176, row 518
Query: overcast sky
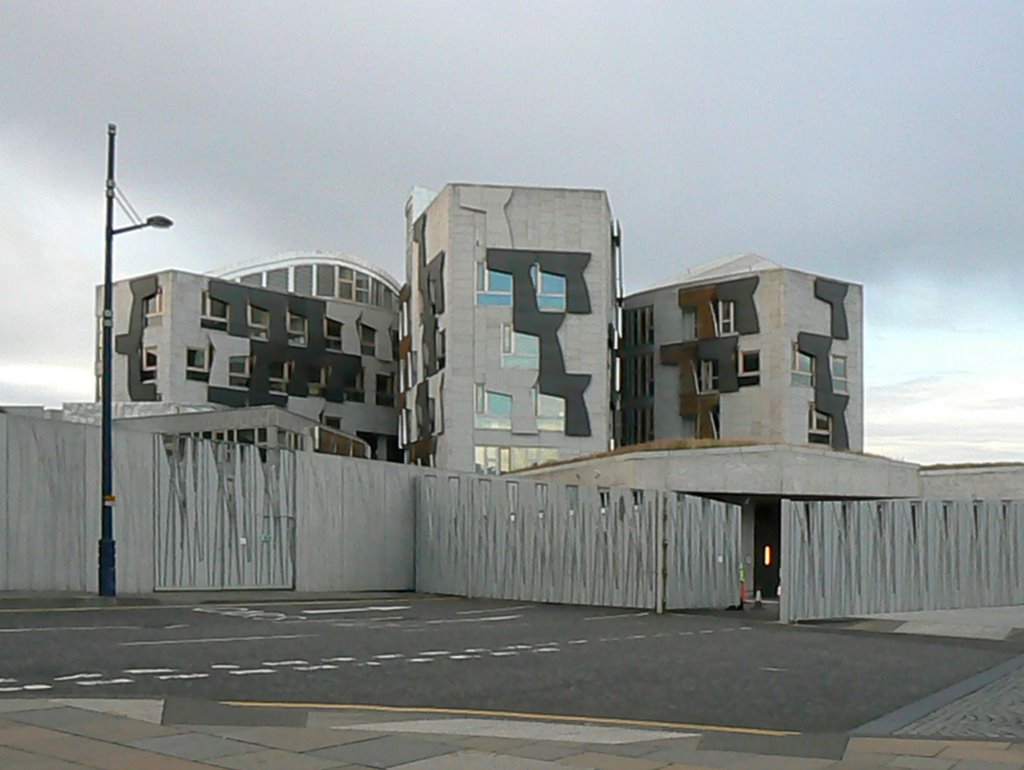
column 877, row 142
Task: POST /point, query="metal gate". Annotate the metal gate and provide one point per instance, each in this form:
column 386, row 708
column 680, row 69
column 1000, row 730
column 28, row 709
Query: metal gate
column 224, row 516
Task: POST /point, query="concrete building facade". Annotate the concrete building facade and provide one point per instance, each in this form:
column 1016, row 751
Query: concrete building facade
column 742, row 348
column 315, row 334
column 507, row 326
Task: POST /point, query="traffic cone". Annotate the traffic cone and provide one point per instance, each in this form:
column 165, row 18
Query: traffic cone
column 757, row 598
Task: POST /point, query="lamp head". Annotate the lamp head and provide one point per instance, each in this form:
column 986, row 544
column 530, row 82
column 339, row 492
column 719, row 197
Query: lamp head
column 159, row 222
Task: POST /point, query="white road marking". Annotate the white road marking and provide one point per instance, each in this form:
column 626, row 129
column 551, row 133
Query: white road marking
column 613, row 617
column 37, row 687
column 494, row 609
column 10, row 689
column 346, row 610
column 495, row 619
column 176, row 625
column 462, row 657
column 421, row 660
column 247, row 671
column 47, row 629
column 637, row 636
column 707, row 632
column 476, row 649
column 73, row 677
column 183, row 676
column 389, row 656
column 372, row 663
column 771, row 668
column 338, row 660
column 7, row 681
column 502, row 654
column 318, row 667
column 99, row 682
column 686, row 633
column 430, row 653
column 212, row 639
column 150, row 670
column 286, row 663
column 547, row 649
column 577, row 641
column 746, row 628
column 224, row 666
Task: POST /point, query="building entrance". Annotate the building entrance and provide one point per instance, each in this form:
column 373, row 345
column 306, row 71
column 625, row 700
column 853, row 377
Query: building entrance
column 767, row 548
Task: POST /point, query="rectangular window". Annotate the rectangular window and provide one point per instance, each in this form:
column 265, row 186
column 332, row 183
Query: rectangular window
column 803, row 367
column 819, row 426
column 726, row 318
column 318, row 377
column 197, row 360
column 385, row 390
column 496, row 413
column 332, row 334
column 750, row 362
column 441, row 348
column 326, row 283
column 357, row 391
column 154, row 305
column 280, row 374
column 708, row 380
column 346, row 283
column 239, row 370
column 550, row 290
column 840, row 378
column 367, row 340
column 689, row 322
column 550, row 411
column 259, row 323
column 519, row 351
column 362, row 288
column 214, row 309
column 149, row 364
column 492, row 287
column 298, row 329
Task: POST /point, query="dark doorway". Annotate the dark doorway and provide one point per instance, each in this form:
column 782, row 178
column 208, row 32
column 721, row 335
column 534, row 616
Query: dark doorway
column 767, row 548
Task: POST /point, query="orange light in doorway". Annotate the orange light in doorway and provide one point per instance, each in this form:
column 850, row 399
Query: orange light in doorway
column 767, row 556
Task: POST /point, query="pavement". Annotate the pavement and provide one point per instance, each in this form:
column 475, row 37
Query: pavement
column 995, row 623
column 184, row 734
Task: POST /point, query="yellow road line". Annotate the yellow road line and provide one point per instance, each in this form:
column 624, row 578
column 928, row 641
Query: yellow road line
column 512, row 715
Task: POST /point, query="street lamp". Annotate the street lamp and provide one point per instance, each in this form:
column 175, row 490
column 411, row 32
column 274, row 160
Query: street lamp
column 107, row 570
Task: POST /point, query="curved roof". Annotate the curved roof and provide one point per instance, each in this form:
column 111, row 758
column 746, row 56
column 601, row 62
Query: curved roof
column 723, row 267
column 310, row 257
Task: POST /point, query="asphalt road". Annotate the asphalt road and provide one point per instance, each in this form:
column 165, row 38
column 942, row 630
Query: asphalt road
column 457, row 653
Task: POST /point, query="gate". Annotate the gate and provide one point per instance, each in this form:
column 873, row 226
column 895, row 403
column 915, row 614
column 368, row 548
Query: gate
column 224, row 516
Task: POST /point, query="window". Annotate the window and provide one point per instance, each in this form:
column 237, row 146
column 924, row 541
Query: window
column 715, row 416
column 280, row 374
column 154, row 304
column 346, row 283
column 708, row 379
column 259, row 323
column 726, row 317
column 367, row 340
column 493, row 410
column 298, row 329
column 197, row 360
column 840, row 378
column 519, row 351
column 440, row 348
column 689, row 322
column 332, row 334
column 819, row 426
column 803, row 367
column 239, row 370
column 750, row 362
column 550, row 411
column 492, row 287
column 550, row 289
column 362, row 288
column 326, row 284
column 385, row 390
column 357, row 390
column 318, row 376
column 149, row 364
column 502, row 459
column 214, row 309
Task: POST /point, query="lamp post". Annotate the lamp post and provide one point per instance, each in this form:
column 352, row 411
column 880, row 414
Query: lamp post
column 107, row 570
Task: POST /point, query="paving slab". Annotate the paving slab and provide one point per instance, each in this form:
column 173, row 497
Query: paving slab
column 195, row 746
column 389, row 751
